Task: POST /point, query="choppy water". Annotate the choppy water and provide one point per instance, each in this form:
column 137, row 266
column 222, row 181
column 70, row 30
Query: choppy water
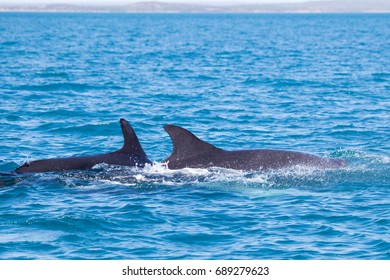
column 313, row 83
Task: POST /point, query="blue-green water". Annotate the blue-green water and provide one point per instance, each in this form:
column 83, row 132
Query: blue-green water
column 313, row 83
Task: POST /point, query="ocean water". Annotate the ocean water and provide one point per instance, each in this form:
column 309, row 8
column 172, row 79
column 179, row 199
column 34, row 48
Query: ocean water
column 313, row 83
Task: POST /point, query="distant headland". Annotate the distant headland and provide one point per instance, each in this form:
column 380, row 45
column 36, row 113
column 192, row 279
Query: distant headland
column 358, row 6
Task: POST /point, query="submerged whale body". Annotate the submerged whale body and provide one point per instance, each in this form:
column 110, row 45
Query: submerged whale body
column 131, row 154
column 190, row 151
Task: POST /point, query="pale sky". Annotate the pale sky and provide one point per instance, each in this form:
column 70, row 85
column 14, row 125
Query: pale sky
column 108, row 2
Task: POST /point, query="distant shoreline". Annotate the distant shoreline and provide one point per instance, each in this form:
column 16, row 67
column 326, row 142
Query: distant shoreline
column 197, row 13
column 319, row 7
column 174, row 12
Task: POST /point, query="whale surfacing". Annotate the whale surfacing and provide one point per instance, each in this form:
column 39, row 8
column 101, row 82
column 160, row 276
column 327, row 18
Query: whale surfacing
column 131, row 154
column 190, row 151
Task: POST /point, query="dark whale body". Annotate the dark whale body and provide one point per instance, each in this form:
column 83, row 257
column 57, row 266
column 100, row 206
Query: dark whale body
column 131, row 154
column 190, row 151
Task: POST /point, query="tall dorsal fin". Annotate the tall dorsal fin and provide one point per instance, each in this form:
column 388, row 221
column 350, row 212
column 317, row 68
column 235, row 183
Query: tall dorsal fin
column 185, row 144
column 131, row 143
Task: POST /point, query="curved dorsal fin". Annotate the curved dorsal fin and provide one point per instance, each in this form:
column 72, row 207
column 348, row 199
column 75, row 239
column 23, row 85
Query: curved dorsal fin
column 185, row 144
column 131, row 143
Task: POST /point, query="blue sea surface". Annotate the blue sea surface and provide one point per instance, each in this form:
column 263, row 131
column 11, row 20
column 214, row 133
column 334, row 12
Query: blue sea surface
column 318, row 84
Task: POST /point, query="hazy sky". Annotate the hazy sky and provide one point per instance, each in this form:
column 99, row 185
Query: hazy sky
column 133, row 1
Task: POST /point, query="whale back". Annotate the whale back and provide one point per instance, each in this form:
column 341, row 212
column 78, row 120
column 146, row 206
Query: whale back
column 190, row 151
column 186, row 145
column 131, row 154
column 131, row 143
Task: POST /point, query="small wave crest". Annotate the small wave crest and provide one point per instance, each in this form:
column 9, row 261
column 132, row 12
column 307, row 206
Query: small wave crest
column 158, row 175
column 66, row 86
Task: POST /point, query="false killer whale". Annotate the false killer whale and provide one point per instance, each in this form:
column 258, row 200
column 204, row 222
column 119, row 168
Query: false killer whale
column 131, row 154
column 190, row 151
